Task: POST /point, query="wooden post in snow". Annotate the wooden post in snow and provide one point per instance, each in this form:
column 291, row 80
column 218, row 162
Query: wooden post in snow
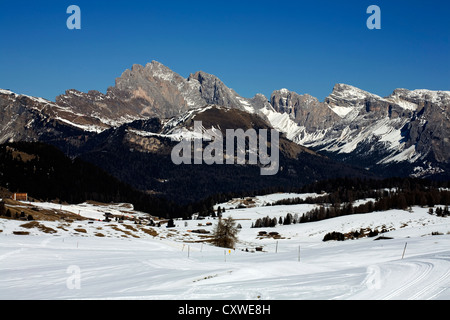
column 404, row 249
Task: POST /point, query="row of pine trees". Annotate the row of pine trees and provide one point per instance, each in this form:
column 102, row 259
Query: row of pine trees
column 398, row 199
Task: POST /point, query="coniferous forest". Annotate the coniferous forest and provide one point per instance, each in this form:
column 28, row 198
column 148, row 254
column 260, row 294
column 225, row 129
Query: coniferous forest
column 339, row 195
column 46, row 174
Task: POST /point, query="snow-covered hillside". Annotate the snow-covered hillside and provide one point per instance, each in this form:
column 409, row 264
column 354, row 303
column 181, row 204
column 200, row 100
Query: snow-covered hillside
column 171, row 263
column 367, row 129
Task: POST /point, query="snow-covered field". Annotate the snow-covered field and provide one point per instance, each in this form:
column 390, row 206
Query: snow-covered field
column 127, row 262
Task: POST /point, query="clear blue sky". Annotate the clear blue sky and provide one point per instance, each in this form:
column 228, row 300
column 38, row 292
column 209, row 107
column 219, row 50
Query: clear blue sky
column 253, row 46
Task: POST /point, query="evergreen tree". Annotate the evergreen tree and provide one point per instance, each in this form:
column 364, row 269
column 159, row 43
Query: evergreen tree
column 401, row 201
column 334, row 236
column 274, row 222
column 2, row 208
column 170, row 224
column 288, row 219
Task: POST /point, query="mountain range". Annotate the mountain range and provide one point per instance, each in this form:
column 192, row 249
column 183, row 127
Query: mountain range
column 130, row 130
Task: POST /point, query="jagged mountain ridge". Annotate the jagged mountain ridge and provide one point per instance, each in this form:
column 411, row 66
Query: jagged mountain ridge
column 25, row 118
column 154, row 90
column 139, row 153
column 408, row 128
column 352, row 125
column 141, row 92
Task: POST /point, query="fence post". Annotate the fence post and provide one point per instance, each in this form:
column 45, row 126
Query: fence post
column 404, row 249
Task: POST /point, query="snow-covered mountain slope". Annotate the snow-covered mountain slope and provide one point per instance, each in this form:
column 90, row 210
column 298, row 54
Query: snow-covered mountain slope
column 154, row 90
column 141, row 92
column 168, row 263
column 25, row 118
column 148, row 145
column 406, row 127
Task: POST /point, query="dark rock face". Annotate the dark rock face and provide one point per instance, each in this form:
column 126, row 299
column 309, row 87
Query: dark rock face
column 140, row 92
column 429, row 127
column 152, row 91
column 305, row 110
column 356, row 126
column 24, row 118
column 214, row 91
column 350, row 125
column 139, row 153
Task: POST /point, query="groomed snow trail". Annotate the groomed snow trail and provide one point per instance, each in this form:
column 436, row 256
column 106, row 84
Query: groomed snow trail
column 410, row 279
column 36, row 267
column 172, row 265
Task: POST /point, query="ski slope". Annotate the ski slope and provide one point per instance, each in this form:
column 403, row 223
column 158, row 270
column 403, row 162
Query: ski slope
column 299, row 265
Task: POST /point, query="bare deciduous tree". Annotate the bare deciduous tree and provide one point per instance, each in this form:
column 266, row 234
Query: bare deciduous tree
column 225, row 233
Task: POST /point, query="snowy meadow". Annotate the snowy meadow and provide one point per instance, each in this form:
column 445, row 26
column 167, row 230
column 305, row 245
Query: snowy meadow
column 129, row 262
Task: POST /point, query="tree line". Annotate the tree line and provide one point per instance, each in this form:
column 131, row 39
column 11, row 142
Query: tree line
column 403, row 195
column 47, row 174
column 268, row 222
column 400, row 199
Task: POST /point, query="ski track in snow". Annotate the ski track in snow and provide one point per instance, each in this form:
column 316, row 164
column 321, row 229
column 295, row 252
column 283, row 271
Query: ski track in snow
column 412, row 280
column 121, row 269
column 35, row 266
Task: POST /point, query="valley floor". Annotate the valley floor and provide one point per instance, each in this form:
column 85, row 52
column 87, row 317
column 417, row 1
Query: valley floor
column 173, row 265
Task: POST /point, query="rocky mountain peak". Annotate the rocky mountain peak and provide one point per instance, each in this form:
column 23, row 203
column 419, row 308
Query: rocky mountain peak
column 305, row 109
column 408, row 125
column 290, row 102
column 154, row 90
column 144, row 76
column 214, row 91
column 419, row 96
column 347, row 95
